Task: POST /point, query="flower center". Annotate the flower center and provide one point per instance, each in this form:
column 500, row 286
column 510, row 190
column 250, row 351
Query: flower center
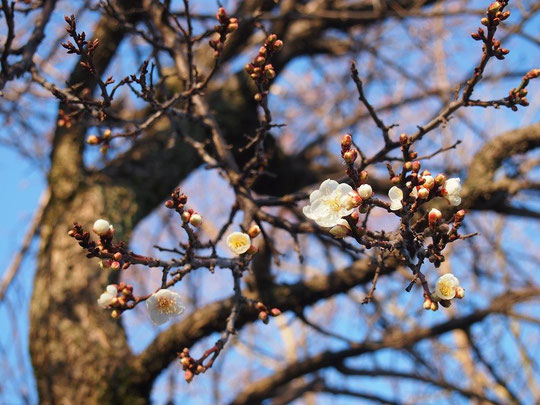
column 166, row 305
column 238, row 243
column 445, row 290
column 334, row 204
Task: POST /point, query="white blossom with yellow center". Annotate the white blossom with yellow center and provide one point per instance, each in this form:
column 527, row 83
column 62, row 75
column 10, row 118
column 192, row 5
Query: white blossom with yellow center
column 163, row 305
column 325, row 204
column 446, row 286
column 108, row 297
column 238, row 242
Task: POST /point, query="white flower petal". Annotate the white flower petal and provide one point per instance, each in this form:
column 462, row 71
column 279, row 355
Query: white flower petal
column 327, row 187
column 395, row 193
column 343, row 188
column 112, row 290
column 396, row 205
column 314, row 196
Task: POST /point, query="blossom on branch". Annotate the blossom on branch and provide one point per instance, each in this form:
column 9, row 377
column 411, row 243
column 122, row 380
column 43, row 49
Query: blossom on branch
column 163, row 305
column 238, row 242
column 108, row 297
column 446, row 287
column 452, row 190
column 325, row 204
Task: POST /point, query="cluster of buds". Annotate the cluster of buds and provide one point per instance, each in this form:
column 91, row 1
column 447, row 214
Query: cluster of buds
column 265, row 312
column 178, row 203
column 494, row 15
column 190, row 366
column 442, row 234
column 81, row 46
column 115, row 256
column 349, row 155
column 116, row 296
column 519, row 94
column 64, row 119
column 421, row 187
column 259, row 69
column 240, row 242
column 103, row 140
column 227, row 25
column 446, row 288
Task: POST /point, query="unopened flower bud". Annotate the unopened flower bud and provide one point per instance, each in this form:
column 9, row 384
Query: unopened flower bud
column 351, row 200
column 169, row 203
column 365, row 191
column 184, row 361
column 434, row 216
column 403, row 139
column 429, row 182
column 416, row 166
column 427, row 303
column 434, row 306
column 221, row 13
column 115, row 314
column 254, row 231
column 185, row 216
column 275, row 312
column 350, row 156
column 440, row 179
column 460, row 292
column 423, row 193
column 188, row 376
column 263, row 316
column 115, row 265
column 258, row 97
column 339, row 231
column 271, row 39
column 92, row 140
column 494, row 8
column 459, row 215
column 277, row 45
column 101, row 227
column 195, row 220
column 407, row 166
column 233, row 26
column 346, row 142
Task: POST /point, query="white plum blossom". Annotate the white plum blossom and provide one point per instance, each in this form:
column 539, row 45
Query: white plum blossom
column 365, row 191
column 163, row 305
column 101, row 227
column 238, row 242
column 396, row 196
column 340, row 230
column 446, row 286
column 108, row 297
column 325, row 204
column 452, row 191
